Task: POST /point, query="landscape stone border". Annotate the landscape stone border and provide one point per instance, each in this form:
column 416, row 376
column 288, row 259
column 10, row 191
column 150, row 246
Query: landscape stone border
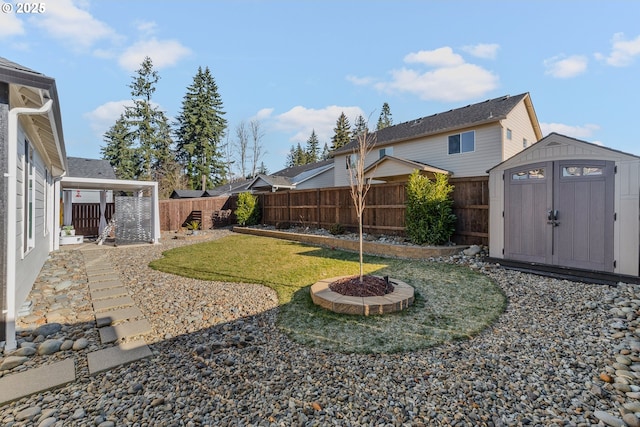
column 401, row 298
column 371, row 248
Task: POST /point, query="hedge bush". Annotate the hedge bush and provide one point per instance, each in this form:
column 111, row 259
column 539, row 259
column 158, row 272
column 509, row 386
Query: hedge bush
column 248, row 211
column 429, row 217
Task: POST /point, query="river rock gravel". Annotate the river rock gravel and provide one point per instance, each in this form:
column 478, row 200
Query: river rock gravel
column 563, row 353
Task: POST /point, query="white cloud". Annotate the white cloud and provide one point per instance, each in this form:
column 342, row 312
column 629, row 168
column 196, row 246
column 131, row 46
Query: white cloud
column 449, row 79
column 580, row 132
column 163, row 53
column 622, row 51
column 74, row 25
column 10, row 25
column 146, row 28
column 263, row 114
column 105, row 115
column 360, row 81
column 483, row 50
column 565, row 67
column 457, row 83
column 301, row 121
column 441, row 57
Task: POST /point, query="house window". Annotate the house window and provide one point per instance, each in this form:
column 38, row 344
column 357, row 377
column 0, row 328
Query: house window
column 525, row 144
column 508, row 134
column 462, row 142
column 387, row 151
column 352, row 159
column 28, row 198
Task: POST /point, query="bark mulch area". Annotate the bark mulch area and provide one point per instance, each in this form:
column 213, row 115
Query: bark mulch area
column 371, row 286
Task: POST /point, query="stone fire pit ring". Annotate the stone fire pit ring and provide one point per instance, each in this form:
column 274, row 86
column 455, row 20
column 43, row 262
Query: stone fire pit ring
column 401, row 298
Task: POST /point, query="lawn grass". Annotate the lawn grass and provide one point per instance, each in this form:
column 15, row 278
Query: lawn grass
column 452, row 302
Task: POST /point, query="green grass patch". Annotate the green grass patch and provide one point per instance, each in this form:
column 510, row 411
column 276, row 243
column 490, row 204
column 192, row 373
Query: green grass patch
column 452, row 302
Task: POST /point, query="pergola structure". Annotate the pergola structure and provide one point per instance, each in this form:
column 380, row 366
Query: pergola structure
column 136, row 187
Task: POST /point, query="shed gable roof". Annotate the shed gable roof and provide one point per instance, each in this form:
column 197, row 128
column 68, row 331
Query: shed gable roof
column 558, row 146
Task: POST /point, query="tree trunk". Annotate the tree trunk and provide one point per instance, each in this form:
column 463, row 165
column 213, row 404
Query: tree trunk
column 361, row 257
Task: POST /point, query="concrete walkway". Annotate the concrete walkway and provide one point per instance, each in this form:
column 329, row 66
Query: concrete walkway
column 118, row 320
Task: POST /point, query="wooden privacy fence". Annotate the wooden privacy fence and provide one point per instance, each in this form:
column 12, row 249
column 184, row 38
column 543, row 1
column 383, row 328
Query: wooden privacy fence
column 214, row 211
column 86, row 217
column 384, row 213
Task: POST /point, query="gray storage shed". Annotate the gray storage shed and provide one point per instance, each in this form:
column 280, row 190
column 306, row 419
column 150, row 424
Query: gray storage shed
column 567, row 203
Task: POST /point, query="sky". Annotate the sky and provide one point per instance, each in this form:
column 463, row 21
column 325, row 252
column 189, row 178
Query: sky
column 297, row 65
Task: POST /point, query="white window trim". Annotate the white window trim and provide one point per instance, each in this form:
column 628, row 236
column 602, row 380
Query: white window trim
column 462, row 152
column 28, row 199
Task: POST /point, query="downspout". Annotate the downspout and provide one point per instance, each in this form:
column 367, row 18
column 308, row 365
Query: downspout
column 12, row 196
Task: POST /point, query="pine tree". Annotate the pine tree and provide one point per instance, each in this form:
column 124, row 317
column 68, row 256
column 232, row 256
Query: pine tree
column 200, row 129
column 291, row 158
column 146, row 123
column 342, row 135
column 385, row 119
column 119, row 150
column 300, row 156
column 313, row 149
column 262, row 169
column 326, row 153
column 360, row 126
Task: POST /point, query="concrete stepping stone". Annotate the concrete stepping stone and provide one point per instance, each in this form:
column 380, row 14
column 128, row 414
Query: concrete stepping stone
column 95, row 286
column 93, row 275
column 16, row 386
column 109, row 293
column 112, row 303
column 108, row 358
column 107, row 318
column 117, row 332
column 100, row 271
column 103, row 278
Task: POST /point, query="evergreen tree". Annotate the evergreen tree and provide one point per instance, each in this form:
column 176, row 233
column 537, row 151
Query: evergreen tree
column 326, row 153
column 385, row 119
column 119, row 150
column 291, row 158
column 342, row 135
column 313, row 149
column 360, row 126
column 262, row 169
column 200, row 129
column 301, row 156
column 147, row 124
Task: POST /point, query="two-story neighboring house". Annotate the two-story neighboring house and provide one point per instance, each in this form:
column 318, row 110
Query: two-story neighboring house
column 464, row 142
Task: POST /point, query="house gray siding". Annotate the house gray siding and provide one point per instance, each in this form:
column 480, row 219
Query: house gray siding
column 29, row 263
column 4, row 135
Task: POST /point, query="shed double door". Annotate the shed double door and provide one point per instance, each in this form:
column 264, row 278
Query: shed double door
column 561, row 213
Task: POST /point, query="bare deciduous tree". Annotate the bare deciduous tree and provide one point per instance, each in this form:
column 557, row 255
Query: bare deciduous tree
column 242, row 146
column 358, row 183
column 257, row 133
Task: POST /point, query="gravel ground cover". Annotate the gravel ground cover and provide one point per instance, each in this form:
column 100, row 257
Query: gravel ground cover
column 220, row 360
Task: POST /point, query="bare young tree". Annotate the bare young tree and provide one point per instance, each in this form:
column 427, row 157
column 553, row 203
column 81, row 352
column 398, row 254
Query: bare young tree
column 257, row 149
column 242, row 147
column 228, row 159
column 358, row 183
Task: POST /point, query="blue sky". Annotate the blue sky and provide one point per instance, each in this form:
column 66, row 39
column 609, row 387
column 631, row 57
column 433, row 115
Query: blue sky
column 296, row 65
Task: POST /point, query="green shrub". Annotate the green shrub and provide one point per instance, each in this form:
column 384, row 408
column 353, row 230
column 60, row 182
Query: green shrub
column 429, row 217
column 336, row 229
column 248, row 211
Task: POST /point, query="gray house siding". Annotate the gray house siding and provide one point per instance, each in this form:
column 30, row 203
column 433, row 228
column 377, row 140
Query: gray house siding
column 29, row 262
column 4, row 135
